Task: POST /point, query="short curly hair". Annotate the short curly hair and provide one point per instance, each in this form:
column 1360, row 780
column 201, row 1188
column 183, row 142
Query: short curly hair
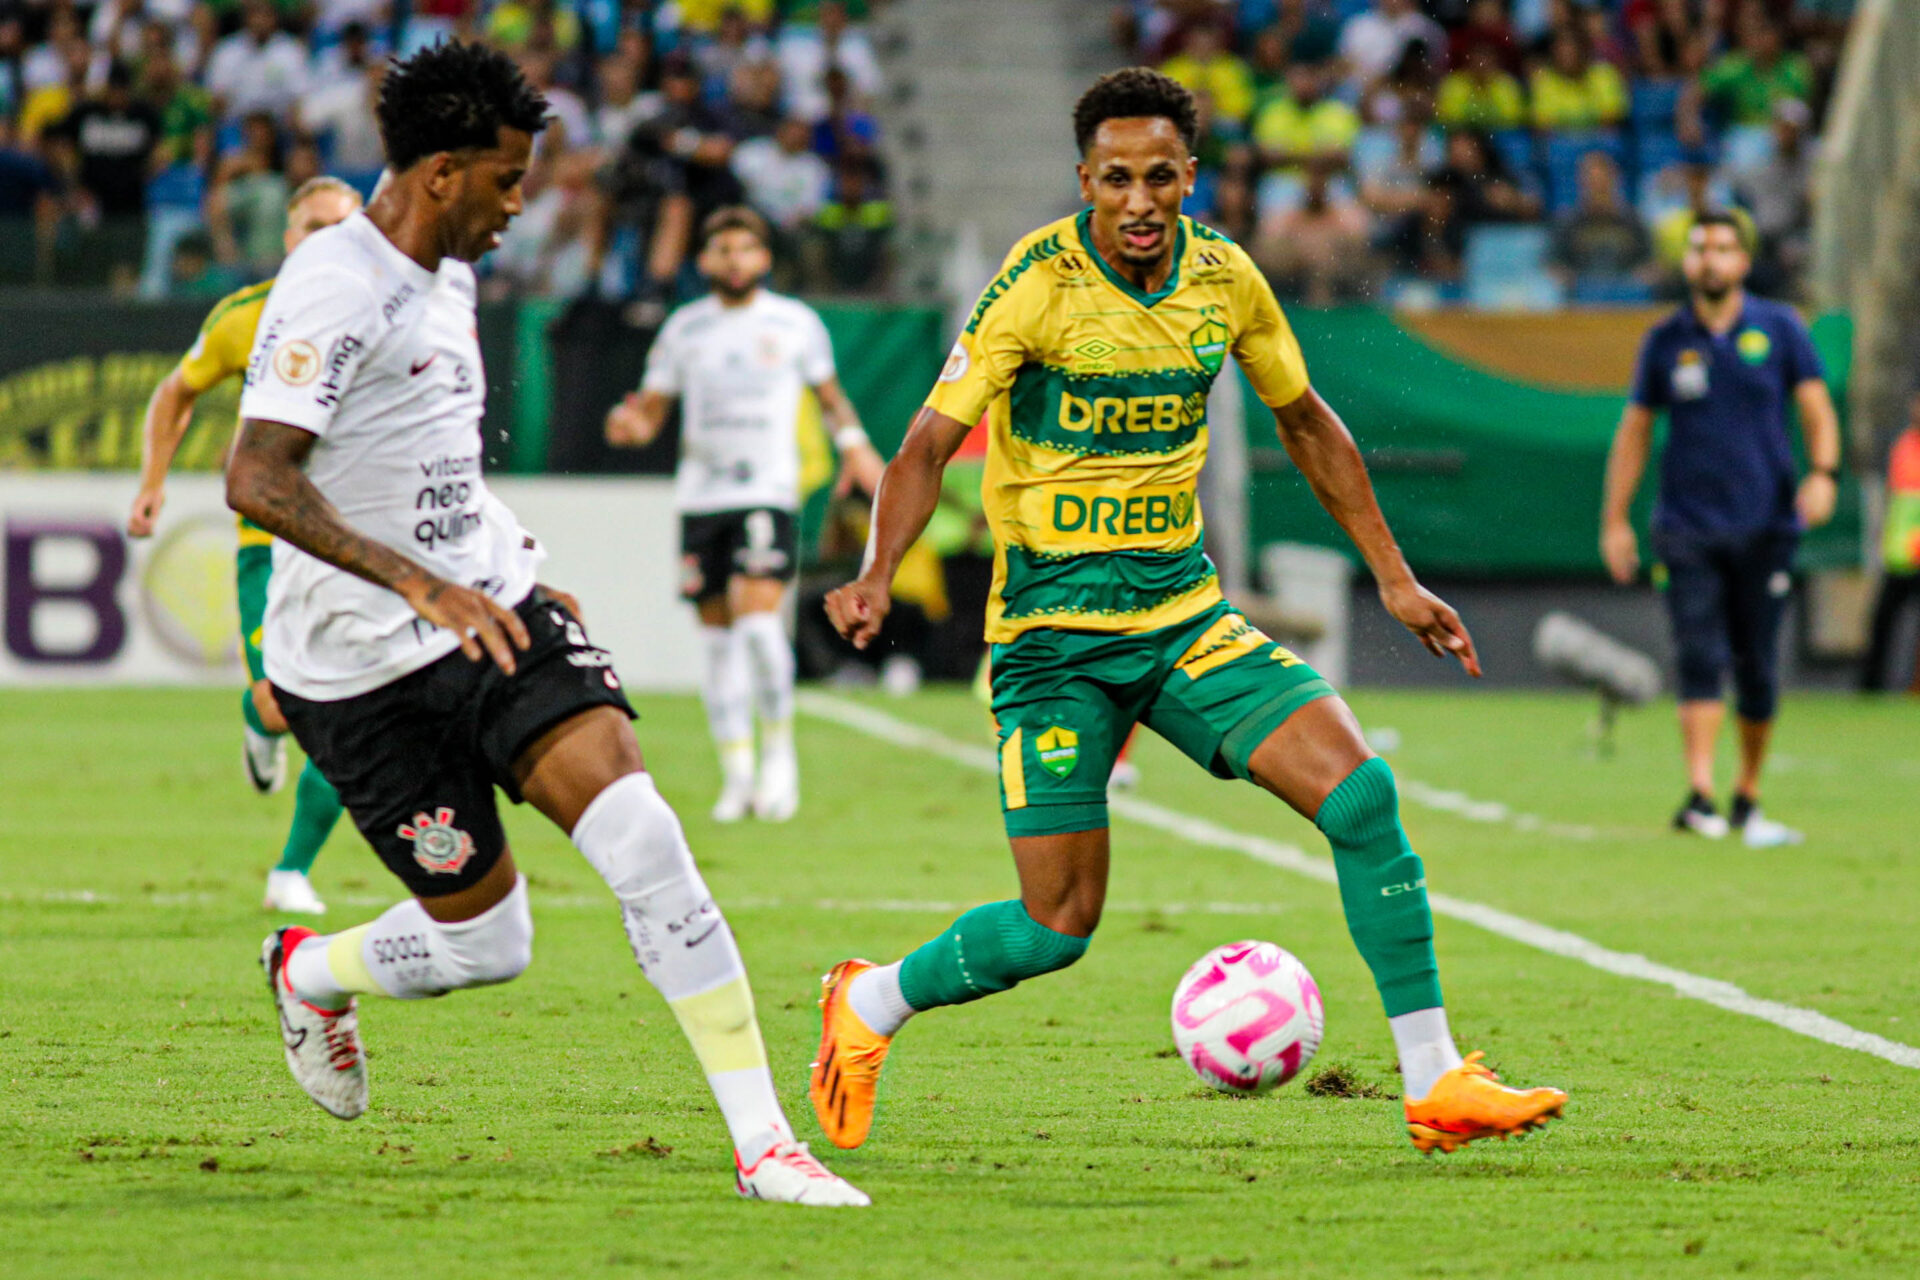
column 1133, row 92
column 453, row 96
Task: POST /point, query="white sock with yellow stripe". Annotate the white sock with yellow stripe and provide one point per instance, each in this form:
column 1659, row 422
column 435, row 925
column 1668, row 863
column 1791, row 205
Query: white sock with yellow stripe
column 685, row 949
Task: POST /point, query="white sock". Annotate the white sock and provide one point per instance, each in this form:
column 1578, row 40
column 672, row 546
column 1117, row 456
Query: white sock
column 407, row 954
column 1426, row 1049
column 875, row 996
column 312, row 979
column 685, row 949
column 770, row 655
column 727, row 690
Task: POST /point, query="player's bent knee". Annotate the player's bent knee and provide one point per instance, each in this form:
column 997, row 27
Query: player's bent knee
column 1022, row 948
column 1360, row 811
column 495, row 946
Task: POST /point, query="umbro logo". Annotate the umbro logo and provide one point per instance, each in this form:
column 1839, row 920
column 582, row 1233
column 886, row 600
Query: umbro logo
column 415, row 369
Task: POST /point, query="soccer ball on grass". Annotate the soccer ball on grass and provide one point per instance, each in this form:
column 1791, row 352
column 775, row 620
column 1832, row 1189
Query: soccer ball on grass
column 1247, row 1017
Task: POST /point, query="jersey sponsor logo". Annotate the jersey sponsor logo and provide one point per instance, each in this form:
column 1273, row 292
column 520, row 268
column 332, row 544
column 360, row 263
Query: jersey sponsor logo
column 439, row 846
column 296, row 363
column 1209, row 343
column 1071, row 265
column 956, row 365
column 1137, row 414
column 1121, row 513
column 1754, row 345
column 338, row 355
column 1228, row 638
column 1689, row 376
column 1058, row 750
column 1094, row 356
column 1207, row 262
column 391, row 307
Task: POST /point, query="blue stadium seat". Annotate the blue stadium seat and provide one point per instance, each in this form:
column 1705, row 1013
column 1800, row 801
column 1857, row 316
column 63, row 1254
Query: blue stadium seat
column 1609, row 291
column 1563, row 153
column 1654, row 150
column 1506, row 268
column 1516, row 149
column 1654, row 105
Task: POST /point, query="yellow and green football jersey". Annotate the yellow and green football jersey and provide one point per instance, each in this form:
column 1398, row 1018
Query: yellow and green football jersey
column 1096, row 396
column 220, row 352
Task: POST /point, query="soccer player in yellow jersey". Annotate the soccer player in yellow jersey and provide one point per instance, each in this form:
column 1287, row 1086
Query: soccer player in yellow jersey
column 1094, row 350
column 219, row 353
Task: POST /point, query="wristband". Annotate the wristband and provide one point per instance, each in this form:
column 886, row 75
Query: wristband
column 849, row 437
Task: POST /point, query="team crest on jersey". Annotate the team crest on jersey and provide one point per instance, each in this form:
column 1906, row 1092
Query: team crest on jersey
column 438, row 845
column 1058, row 749
column 1207, row 261
column 296, row 363
column 1094, row 356
column 1209, row 343
column 1754, row 346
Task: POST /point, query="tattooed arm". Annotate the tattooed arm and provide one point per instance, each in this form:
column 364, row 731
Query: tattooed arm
column 267, row 483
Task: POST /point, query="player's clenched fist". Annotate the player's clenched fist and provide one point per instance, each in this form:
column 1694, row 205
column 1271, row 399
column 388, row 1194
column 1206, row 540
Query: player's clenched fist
column 485, row 627
column 858, row 610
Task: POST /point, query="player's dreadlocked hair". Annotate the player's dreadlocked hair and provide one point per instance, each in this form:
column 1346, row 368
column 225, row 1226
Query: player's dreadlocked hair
column 1131, row 92
column 453, row 96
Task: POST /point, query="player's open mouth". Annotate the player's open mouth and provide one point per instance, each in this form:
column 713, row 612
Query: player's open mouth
column 1141, row 237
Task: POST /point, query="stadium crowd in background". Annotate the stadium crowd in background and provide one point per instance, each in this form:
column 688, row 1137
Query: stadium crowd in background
column 1507, row 152
column 149, row 145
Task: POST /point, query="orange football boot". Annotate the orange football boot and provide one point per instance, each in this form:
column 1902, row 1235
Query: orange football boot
column 846, row 1072
column 1469, row 1103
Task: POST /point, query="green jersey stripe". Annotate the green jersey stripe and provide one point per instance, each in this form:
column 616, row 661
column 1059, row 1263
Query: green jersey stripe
column 1113, row 583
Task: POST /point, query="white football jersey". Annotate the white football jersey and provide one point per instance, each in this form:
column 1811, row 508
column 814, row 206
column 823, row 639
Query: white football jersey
column 740, row 373
column 380, row 358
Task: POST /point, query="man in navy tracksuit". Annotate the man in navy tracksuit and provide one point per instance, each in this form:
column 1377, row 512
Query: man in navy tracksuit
column 1724, row 368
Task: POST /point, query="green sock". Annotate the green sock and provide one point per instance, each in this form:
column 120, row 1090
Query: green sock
column 316, row 807
column 1383, row 888
column 988, row 949
column 252, row 714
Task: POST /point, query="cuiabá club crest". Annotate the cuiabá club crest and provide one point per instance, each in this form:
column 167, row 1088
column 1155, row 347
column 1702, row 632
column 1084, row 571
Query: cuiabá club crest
column 438, row 845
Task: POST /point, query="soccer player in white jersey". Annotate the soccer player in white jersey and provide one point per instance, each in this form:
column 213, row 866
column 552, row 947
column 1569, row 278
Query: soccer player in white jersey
column 412, row 651
column 740, row 361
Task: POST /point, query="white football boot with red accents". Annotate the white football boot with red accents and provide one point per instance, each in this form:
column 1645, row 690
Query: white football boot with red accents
column 323, row 1045
column 787, row 1172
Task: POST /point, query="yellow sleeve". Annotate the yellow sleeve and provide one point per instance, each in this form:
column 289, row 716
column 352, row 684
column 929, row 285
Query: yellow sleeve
column 1263, row 341
column 221, row 350
column 1003, row 334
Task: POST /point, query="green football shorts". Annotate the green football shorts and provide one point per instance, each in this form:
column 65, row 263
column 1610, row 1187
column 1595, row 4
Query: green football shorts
column 252, row 566
column 1214, row 686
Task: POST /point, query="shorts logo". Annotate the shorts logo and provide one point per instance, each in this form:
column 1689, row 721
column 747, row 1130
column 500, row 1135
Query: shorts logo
column 957, row 364
column 1209, row 343
column 296, row 363
column 1058, row 750
column 438, row 845
column 1230, row 637
column 1754, row 345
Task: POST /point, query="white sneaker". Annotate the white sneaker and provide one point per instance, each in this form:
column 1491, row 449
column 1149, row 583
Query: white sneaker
column 291, row 891
column 736, row 800
column 265, row 758
column 1761, row 832
column 789, row 1174
column 776, row 796
column 323, row 1046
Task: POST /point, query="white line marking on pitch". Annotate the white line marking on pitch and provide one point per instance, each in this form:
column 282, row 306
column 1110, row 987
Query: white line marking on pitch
column 1273, row 853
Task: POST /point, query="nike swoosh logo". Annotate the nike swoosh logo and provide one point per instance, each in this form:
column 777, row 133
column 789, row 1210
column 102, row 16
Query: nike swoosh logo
column 694, row 942
column 423, row 364
column 292, row 1035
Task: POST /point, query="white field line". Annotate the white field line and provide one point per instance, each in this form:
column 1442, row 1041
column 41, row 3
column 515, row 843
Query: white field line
column 1462, row 805
column 1273, row 853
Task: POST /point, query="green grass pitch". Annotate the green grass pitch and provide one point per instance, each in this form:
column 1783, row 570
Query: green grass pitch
column 558, row 1126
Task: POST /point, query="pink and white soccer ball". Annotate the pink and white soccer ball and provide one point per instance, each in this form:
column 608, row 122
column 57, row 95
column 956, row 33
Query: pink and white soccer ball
column 1247, row 1017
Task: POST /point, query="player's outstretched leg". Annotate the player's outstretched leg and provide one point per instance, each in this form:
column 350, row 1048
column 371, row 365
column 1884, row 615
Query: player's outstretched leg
column 684, row 947
column 726, row 689
column 1383, row 888
column 986, row 950
column 776, row 795
column 316, row 810
column 406, row 954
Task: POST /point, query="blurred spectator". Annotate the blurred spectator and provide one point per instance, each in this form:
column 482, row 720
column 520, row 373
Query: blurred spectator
column 1899, row 557
column 195, row 272
column 1603, row 38
column 1317, row 250
column 703, row 17
column 1480, row 95
column 1372, row 44
column 1484, row 190
column 247, row 205
column 733, row 46
column 29, row 209
column 257, row 68
column 1267, row 61
column 1742, row 87
column 430, row 21
column 1672, row 227
column 620, row 106
column 186, row 110
column 1602, row 240
column 13, row 45
column 809, row 51
column 783, row 177
column 567, row 122
column 1486, row 28
column 546, row 252
column 847, row 128
column 1432, row 242
column 50, row 63
column 341, row 112
column 849, row 245
column 1393, row 177
column 109, row 144
column 1305, row 124
column 1663, row 32
column 520, row 24
column 51, row 101
column 1779, row 192
column 1208, row 65
column 347, row 59
column 1310, row 28
column 753, row 105
column 1573, row 91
